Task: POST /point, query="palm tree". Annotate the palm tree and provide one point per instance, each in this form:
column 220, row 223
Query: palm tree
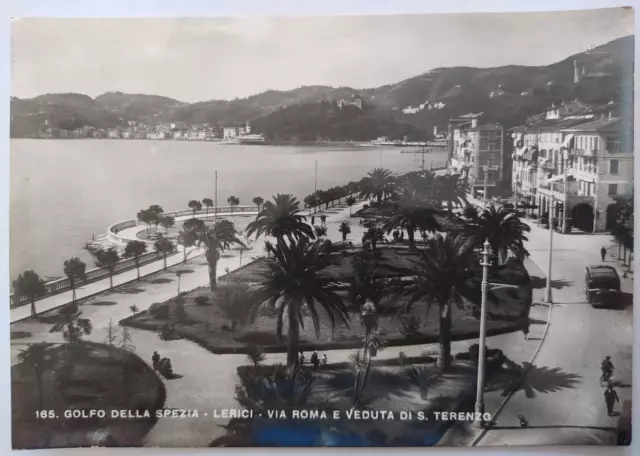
column 216, row 239
column 36, row 357
column 378, row 183
column 135, row 249
column 167, row 222
column 185, row 240
column 452, row 189
column 164, row 247
column 443, row 276
column 75, row 270
column 30, row 285
column 350, row 202
column 281, row 218
column 320, row 231
column 108, row 259
column 311, row 201
column 292, row 281
column 208, row 202
column 424, row 182
column 503, row 229
column 412, row 213
column 233, row 201
column 345, row 228
column 258, row 202
column 195, row 206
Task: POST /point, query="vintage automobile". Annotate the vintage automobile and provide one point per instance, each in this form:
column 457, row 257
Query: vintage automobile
column 602, row 286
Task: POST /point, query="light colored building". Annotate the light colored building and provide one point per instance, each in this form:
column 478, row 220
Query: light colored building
column 356, row 102
column 113, row 134
column 575, row 163
column 477, row 152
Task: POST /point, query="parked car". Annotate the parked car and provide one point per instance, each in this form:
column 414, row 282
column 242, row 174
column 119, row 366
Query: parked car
column 624, row 424
column 602, row 286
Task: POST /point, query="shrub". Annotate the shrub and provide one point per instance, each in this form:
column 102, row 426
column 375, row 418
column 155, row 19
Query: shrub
column 255, row 354
column 410, row 325
column 202, row 301
column 160, row 310
column 419, row 376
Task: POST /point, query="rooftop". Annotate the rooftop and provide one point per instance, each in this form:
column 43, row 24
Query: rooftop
column 599, row 125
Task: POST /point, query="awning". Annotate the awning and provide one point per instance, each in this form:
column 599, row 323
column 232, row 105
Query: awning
column 567, row 140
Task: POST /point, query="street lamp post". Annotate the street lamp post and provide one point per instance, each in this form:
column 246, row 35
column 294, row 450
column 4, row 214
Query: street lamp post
column 479, row 408
column 547, row 294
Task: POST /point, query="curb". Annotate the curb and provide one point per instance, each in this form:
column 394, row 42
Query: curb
column 482, row 433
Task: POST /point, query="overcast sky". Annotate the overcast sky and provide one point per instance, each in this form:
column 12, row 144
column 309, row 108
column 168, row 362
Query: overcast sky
column 203, row 59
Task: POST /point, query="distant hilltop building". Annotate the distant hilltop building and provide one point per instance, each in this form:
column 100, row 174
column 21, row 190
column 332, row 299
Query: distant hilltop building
column 357, row 102
column 579, row 73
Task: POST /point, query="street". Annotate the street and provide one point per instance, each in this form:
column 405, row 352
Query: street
column 561, row 397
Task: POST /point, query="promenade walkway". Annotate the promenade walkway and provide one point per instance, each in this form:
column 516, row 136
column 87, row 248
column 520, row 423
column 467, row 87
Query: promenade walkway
column 90, row 289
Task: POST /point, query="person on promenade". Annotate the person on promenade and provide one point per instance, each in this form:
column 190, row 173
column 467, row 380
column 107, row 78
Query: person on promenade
column 610, row 398
column 301, row 359
column 313, row 220
column 315, row 360
column 524, row 324
column 155, row 359
column 324, row 359
column 323, row 218
column 603, row 253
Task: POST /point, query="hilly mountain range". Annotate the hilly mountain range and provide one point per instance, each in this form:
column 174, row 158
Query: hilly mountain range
column 507, row 94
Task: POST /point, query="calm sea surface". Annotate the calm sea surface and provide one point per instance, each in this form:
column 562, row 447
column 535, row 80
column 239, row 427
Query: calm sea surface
column 63, row 191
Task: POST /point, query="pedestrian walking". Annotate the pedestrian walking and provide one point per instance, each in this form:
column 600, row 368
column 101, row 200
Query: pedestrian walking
column 324, row 359
column 313, row 220
column 524, row 324
column 155, row 359
column 301, row 359
column 610, row 398
column 323, row 218
column 603, row 253
column 315, row 360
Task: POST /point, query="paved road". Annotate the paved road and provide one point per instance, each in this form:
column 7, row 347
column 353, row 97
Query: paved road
column 562, row 398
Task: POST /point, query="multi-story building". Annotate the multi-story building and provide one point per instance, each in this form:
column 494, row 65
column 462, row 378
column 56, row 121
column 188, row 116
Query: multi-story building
column 356, row 102
column 477, row 153
column 574, row 162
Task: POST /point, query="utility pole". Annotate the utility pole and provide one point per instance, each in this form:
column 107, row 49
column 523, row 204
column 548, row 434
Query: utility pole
column 215, row 217
column 547, row 293
column 479, row 407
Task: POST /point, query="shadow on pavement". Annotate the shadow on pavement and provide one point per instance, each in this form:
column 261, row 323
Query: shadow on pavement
column 161, row 280
column 184, row 271
column 103, row 303
column 537, row 379
column 129, row 291
column 541, row 282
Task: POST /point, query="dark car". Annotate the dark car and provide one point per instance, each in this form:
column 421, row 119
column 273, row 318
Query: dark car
column 624, row 424
column 602, row 286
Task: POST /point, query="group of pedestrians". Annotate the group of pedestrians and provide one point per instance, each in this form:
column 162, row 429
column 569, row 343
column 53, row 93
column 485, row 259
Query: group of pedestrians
column 610, row 395
column 323, row 220
column 315, row 359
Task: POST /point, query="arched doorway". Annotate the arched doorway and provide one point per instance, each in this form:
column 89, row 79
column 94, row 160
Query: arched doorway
column 612, row 215
column 582, row 217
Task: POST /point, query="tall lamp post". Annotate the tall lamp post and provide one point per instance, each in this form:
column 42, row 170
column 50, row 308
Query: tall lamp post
column 479, row 408
column 547, row 291
column 486, row 168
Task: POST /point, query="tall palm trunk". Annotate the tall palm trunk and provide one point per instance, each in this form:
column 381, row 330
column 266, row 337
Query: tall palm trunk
column 293, row 335
column 164, row 257
column 212, row 256
column 184, row 252
column 33, row 307
column 138, row 267
column 110, row 279
column 73, row 289
column 444, row 342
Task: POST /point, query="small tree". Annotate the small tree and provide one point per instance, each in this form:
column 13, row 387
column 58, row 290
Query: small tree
column 195, row 206
column 135, row 249
column 167, row 222
column 255, row 355
column 125, row 340
column 156, row 209
column 30, row 285
column 320, row 231
column 134, row 309
column 345, row 229
column 164, row 247
column 147, row 217
column 233, row 201
column 233, row 304
column 108, row 259
column 350, row 202
column 208, row 202
column 74, row 269
column 185, row 240
column 258, row 201
column 111, row 337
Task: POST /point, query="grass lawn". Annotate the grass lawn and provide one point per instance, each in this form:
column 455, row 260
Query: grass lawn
column 84, row 376
column 208, row 326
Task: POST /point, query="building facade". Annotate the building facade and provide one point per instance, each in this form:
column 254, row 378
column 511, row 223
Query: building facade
column 574, row 163
column 477, row 153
